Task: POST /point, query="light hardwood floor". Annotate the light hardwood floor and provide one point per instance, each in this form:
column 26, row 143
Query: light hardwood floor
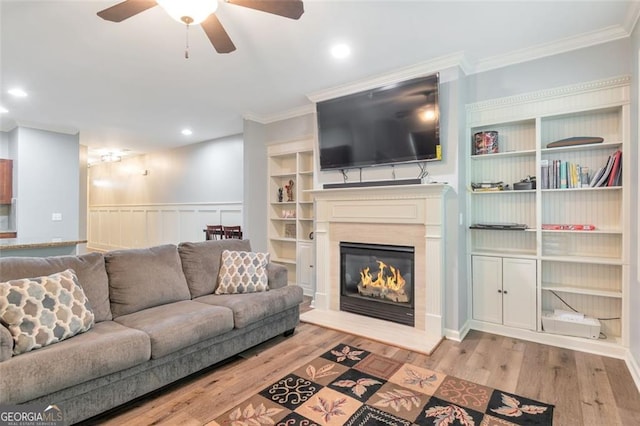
column 586, row 389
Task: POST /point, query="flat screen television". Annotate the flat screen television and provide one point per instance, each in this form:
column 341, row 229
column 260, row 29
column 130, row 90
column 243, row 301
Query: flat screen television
column 394, row 124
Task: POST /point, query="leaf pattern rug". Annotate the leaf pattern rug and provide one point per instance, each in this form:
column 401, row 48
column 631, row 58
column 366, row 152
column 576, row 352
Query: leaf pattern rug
column 351, row 386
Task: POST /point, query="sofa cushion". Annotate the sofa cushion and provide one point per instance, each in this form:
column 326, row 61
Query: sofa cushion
column 242, row 272
column 144, row 278
column 44, row 310
column 6, row 344
column 89, row 269
column 177, row 325
column 201, row 262
column 254, row 307
column 107, row 348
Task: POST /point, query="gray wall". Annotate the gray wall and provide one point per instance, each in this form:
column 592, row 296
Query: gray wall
column 255, row 185
column 592, row 63
column 46, row 181
column 209, row 171
column 4, row 145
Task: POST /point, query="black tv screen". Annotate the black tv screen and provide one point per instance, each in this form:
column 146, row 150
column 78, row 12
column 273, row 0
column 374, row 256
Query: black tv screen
column 393, row 124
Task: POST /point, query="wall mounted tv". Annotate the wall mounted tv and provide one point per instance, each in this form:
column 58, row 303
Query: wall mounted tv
column 394, row 124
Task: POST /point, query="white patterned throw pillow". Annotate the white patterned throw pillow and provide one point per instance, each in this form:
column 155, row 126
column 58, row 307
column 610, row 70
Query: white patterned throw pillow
column 44, row 310
column 242, row 272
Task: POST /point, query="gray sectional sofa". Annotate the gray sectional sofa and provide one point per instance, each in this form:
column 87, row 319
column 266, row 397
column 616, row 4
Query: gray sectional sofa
column 157, row 320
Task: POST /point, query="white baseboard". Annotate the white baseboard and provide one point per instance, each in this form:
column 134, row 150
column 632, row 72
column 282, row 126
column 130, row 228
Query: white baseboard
column 634, row 368
column 457, row 335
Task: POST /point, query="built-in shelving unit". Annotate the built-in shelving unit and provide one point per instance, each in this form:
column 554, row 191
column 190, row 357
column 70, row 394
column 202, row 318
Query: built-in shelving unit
column 291, row 219
column 587, row 269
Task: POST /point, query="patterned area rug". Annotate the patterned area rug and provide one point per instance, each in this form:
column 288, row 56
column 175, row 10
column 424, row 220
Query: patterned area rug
column 351, row 386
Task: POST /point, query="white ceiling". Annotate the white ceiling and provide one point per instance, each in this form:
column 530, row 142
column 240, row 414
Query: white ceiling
column 128, row 86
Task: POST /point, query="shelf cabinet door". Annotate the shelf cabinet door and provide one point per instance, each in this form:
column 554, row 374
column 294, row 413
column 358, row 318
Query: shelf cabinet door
column 305, row 268
column 487, row 288
column 519, row 293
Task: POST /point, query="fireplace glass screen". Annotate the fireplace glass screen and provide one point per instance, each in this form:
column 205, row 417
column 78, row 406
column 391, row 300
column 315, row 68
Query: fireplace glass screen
column 377, row 281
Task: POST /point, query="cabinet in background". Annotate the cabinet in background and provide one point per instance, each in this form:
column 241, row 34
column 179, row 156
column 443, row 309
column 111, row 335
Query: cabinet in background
column 6, row 181
column 504, row 291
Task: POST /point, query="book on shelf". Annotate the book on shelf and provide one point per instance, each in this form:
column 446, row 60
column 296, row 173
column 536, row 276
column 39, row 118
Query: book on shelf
column 608, row 175
column 615, row 169
column 544, row 174
column 567, row 227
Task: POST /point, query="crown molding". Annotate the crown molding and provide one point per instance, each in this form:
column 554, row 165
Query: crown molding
column 447, row 66
column 68, row 130
column 573, row 89
column 632, row 17
column 543, row 50
column 284, row 115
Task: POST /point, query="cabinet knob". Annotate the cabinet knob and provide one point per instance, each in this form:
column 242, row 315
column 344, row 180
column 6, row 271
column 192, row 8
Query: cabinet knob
column 499, row 291
column 504, row 292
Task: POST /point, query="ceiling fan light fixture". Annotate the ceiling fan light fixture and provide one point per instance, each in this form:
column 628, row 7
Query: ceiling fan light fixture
column 190, row 12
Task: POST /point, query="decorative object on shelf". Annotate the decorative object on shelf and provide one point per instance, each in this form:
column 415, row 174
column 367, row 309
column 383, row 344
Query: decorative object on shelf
column 576, row 140
column 500, row 225
column 280, row 195
column 311, row 235
column 289, row 230
column 488, row 186
column 289, row 188
column 288, row 214
column 485, row 142
column 527, row 183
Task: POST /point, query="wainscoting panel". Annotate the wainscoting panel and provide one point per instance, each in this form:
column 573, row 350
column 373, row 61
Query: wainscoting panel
column 113, row 227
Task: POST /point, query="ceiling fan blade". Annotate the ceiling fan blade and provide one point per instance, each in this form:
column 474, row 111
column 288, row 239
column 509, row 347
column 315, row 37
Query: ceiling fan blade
column 126, row 9
column 217, row 34
column 288, row 8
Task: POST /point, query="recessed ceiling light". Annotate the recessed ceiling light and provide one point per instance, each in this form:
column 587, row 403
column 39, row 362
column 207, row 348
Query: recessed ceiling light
column 186, row 132
column 3, row 110
column 340, row 51
column 18, row 93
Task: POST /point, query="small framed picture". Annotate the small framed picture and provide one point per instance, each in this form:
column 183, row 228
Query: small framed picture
column 289, row 230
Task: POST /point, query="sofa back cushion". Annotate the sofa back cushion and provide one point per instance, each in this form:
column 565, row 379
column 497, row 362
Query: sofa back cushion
column 201, row 262
column 89, row 269
column 144, row 278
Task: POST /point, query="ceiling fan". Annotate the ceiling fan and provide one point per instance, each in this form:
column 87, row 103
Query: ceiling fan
column 193, row 12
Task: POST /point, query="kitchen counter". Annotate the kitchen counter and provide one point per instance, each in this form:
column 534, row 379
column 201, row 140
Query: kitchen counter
column 34, row 247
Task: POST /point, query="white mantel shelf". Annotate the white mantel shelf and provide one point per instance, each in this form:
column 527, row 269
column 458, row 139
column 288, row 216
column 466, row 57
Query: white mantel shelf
column 412, row 215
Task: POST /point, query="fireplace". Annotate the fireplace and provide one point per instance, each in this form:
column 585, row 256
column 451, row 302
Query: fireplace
column 406, row 215
column 376, row 280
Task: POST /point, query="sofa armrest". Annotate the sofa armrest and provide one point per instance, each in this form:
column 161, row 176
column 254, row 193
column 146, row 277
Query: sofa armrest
column 6, row 344
column 277, row 275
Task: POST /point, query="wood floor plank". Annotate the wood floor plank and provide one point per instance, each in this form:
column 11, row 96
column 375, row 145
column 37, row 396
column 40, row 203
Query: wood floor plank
column 596, row 395
column 585, row 389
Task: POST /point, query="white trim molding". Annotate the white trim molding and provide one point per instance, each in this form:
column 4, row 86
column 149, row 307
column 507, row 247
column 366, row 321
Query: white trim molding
column 112, row 227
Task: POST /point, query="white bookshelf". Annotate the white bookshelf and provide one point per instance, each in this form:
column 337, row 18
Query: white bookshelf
column 587, row 269
column 291, row 222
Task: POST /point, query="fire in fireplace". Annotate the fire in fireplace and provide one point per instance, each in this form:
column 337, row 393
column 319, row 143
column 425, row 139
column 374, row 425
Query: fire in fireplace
column 377, row 281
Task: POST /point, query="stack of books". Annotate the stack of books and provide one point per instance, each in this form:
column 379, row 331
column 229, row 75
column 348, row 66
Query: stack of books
column 610, row 174
column 559, row 174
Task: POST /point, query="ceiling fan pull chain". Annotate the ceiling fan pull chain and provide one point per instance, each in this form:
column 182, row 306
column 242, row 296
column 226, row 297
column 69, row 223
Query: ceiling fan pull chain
column 186, row 49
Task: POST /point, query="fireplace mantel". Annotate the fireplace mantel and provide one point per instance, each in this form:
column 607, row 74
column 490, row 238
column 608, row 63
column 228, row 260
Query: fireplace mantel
column 412, row 215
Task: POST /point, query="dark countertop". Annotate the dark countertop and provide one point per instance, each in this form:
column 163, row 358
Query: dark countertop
column 20, row 243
